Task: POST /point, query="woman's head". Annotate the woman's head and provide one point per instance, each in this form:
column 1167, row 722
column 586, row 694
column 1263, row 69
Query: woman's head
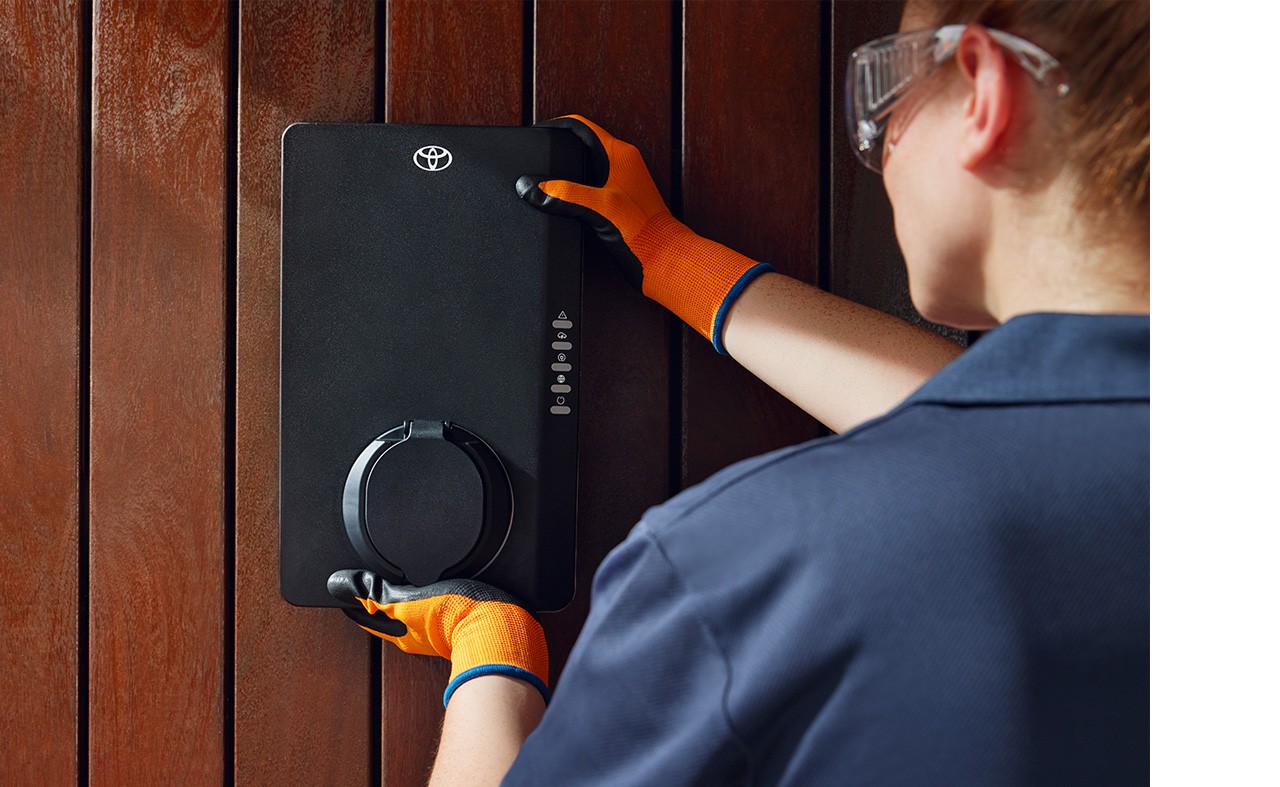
column 989, row 171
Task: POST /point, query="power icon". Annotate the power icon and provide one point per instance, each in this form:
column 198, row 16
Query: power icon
column 559, row 400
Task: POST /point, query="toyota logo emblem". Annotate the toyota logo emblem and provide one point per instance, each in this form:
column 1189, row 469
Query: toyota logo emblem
column 432, row 158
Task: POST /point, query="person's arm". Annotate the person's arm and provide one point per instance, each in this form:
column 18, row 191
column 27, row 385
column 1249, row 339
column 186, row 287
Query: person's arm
column 841, row 362
column 485, row 725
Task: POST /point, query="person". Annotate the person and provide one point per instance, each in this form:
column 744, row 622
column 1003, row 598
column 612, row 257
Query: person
column 952, row 588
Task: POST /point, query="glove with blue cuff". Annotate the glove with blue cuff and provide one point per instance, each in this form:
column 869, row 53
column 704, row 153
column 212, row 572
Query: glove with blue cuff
column 480, row 629
column 696, row 278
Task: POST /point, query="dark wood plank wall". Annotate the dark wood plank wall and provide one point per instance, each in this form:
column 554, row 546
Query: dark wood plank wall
column 752, row 90
column 42, row 115
column 157, row 392
column 139, row 310
column 302, row 693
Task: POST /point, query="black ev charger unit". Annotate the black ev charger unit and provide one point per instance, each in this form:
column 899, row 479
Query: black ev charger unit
column 429, row 350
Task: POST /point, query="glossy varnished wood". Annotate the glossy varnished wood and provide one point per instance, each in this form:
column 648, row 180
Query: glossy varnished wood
column 157, row 399
column 40, row 193
column 455, row 61
column 302, row 689
column 611, row 62
column 750, row 181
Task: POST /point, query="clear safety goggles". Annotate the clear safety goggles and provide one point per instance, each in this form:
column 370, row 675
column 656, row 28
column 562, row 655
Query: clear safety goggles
column 881, row 73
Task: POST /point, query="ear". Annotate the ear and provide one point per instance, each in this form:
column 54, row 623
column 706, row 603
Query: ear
column 991, row 93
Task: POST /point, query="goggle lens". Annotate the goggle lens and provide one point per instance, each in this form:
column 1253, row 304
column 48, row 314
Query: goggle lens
column 881, row 73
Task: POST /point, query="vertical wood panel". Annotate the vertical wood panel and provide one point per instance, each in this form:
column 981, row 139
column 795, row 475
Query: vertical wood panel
column 611, row 62
column 455, row 62
column 40, row 193
column 751, row 180
column 449, row 62
column 866, row 263
column 157, row 408
column 301, row 675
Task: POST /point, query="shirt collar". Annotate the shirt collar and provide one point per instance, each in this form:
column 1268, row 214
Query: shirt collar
column 1050, row 358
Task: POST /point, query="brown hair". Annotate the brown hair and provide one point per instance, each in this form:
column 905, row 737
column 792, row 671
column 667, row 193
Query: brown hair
column 1105, row 124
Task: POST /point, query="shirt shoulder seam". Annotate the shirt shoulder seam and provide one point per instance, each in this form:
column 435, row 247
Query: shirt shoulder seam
column 907, row 405
column 796, row 451
column 734, row 732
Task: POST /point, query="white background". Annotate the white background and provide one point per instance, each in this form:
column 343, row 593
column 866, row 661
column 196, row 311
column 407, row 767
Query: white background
column 1215, row 462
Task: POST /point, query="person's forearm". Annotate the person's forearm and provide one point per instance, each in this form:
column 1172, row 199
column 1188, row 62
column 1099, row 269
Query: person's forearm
column 486, row 723
column 841, row 362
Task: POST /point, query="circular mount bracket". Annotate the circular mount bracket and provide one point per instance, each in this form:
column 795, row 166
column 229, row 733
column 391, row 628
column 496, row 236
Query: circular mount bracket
column 427, row 500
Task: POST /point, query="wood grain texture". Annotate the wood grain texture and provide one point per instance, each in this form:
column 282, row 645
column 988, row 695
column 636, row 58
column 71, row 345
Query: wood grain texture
column 40, row 193
column 866, row 263
column 750, row 180
column 611, row 62
column 455, row 61
column 448, row 62
column 157, row 407
column 301, row 675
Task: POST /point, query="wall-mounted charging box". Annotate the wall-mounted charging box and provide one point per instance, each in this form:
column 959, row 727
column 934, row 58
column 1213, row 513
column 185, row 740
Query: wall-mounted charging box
column 429, row 345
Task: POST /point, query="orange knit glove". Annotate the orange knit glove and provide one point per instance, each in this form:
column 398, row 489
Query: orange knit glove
column 696, row 278
column 479, row 628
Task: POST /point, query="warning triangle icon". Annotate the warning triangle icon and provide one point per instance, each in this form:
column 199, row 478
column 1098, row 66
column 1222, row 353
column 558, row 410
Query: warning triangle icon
column 563, row 316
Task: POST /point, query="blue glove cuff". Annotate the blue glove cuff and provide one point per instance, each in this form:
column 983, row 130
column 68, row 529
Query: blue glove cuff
column 497, row 669
column 717, row 325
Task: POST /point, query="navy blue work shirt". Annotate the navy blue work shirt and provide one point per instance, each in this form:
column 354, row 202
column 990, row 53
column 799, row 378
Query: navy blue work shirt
column 953, row 593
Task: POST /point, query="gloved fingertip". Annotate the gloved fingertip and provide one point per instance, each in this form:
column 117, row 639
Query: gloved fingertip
column 527, row 187
column 553, row 196
column 349, row 584
column 340, row 586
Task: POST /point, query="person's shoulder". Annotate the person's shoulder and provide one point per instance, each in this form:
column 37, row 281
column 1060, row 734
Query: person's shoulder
column 925, row 478
column 883, row 458
column 842, row 519
column 842, row 493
